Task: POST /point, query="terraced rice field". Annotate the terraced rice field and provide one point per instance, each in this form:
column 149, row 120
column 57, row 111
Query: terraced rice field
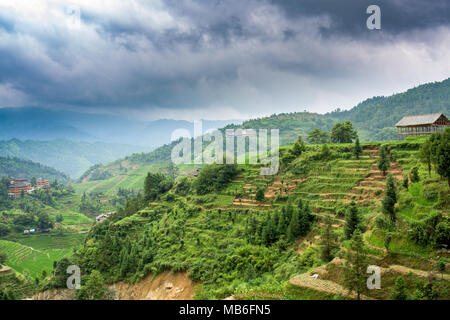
column 29, row 261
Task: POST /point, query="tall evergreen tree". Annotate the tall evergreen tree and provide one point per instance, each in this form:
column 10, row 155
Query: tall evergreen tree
column 352, row 221
column 325, row 152
column 415, row 174
column 406, row 183
column 294, row 227
column 328, row 241
column 355, row 267
column 435, row 140
column 383, row 161
column 425, row 155
column 390, row 198
column 357, row 151
column 259, row 195
column 443, row 156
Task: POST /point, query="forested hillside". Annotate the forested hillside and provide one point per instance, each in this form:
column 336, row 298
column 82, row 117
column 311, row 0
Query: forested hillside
column 381, row 112
column 331, row 211
column 15, row 167
column 70, row 157
column 374, row 118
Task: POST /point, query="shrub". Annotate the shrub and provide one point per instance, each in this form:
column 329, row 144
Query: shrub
column 430, row 194
column 260, row 195
column 414, row 175
column 399, row 291
column 406, row 183
column 4, row 229
column 443, row 200
column 300, row 167
column 214, row 177
column 383, row 223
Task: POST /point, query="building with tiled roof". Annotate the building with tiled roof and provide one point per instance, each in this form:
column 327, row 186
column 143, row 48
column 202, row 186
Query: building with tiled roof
column 423, row 124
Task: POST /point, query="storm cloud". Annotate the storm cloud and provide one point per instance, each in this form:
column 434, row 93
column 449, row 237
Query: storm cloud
column 190, row 59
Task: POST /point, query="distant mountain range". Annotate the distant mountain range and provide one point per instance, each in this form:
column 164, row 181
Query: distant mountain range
column 42, row 124
column 72, row 141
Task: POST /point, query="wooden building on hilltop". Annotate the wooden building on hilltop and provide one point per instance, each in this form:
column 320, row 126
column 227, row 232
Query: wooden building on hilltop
column 420, row 125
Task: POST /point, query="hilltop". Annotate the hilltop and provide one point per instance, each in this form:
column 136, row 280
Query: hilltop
column 374, row 118
column 71, row 157
column 15, row 167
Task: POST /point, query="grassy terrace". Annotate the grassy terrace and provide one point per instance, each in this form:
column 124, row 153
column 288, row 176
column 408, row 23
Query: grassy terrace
column 29, row 255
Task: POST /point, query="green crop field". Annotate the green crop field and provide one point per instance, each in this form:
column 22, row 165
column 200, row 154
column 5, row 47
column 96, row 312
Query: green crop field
column 30, row 261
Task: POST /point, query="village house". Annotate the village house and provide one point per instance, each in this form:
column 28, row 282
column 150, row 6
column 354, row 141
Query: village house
column 42, row 182
column 19, row 185
column 103, row 216
column 420, row 125
column 16, row 189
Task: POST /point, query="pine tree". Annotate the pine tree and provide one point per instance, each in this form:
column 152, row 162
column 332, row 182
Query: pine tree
column 268, row 231
column 425, row 155
column 383, row 161
column 406, row 183
column 352, row 221
column 390, row 198
column 357, row 151
column 325, row 152
column 415, row 174
column 328, row 241
column 274, row 224
column 387, row 241
column 260, row 195
column 355, row 267
column 304, row 222
column 294, row 227
column 443, row 156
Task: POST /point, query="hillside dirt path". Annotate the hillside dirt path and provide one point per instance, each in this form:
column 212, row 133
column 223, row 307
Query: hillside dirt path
column 417, row 272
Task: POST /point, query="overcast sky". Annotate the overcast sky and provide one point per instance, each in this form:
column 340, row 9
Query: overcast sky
column 212, row 59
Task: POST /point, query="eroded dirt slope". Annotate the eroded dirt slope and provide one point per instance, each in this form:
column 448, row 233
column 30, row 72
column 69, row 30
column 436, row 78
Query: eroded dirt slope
column 166, row 286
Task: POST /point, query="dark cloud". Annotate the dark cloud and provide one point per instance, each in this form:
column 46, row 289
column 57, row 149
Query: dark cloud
column 349, row 16
column 196, row 58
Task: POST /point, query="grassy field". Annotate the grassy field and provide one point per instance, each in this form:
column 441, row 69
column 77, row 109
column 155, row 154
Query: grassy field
column 129, row 177
column 30, row 254
column 30, row 261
